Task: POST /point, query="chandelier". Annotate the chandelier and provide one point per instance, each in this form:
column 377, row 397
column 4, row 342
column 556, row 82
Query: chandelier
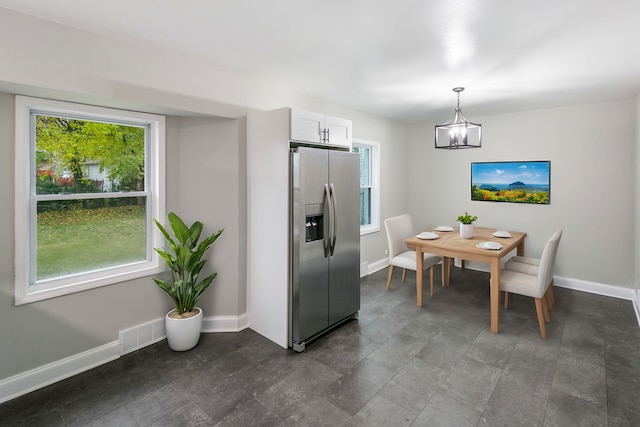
column 458, row 132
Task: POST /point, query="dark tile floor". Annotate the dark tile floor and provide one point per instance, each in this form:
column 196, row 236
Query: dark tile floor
column 397, row 365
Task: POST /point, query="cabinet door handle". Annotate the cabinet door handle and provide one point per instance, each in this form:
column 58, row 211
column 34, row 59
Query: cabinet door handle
column 325, row 135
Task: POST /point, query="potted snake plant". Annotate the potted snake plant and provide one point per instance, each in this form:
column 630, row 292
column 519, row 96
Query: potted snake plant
column 183, row 323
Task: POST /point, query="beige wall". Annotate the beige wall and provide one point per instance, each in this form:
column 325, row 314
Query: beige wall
column 206, row 174
column 592, row 153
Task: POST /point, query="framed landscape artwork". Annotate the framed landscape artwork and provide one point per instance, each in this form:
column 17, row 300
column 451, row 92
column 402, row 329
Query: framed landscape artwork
column 515, row 182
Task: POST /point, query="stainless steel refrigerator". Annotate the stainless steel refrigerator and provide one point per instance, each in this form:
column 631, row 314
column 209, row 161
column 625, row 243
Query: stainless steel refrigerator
column 325, row 241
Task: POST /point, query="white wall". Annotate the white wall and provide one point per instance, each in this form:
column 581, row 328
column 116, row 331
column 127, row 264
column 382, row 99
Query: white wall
column 592, row 153
column 637, row 209
column 212, row 190
column 206, row 174
column 51, row 60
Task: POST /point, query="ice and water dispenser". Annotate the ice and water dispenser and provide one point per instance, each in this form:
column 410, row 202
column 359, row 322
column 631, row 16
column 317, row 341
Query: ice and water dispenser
column 314, row 222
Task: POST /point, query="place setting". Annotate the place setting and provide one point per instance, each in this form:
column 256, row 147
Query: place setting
column 494, row 246
column 427, row 235
column 430, row 235
column 501, row 233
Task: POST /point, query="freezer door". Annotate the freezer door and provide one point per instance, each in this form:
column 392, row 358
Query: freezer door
column 344, row 264
column 309, row 265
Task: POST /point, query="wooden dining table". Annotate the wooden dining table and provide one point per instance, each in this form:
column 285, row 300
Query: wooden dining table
column 449, row 245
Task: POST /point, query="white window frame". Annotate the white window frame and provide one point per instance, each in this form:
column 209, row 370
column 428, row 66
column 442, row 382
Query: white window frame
column 374, row 164
column 25, row 218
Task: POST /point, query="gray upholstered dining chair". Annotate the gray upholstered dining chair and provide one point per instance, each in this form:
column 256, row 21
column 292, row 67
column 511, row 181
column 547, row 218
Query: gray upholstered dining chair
column 398, row 229
column 530, row 265
column 533, row 285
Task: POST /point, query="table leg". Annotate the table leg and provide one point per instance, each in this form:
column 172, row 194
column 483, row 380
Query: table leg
column 495, row 295
column 446, row 269
column 520, row 248
column 419, row 273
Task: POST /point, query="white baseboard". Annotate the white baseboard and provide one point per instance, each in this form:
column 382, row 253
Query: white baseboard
column 636, row 305
column 602, row 289
column 384, row 263
column 129, row 340
column 595, row 288
column 50, row 373
column 377, row 265
column 225, row 323
column 364, row 269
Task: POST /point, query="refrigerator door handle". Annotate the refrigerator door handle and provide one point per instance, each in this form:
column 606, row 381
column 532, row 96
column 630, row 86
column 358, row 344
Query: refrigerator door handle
column 327, row 228
column 334, row 220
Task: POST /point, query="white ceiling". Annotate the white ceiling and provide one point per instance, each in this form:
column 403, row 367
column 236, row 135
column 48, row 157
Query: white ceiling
column 398, row 59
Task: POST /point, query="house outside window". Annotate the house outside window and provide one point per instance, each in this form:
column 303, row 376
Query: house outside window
column 369, row 185
column 89, row 181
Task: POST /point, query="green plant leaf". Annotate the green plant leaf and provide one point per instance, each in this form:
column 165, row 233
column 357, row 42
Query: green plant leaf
column 194, row 234
column 178, row 227
column 186, row 263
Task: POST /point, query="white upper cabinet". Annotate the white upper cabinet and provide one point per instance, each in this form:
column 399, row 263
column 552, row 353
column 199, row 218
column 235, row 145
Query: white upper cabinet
column 317, row 128
column 338, row 131
column 307, row 126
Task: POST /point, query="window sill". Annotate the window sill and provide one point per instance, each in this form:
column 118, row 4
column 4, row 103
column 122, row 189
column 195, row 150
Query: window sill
column 368, row 229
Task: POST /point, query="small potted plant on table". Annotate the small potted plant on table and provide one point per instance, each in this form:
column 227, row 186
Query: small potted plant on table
column 184, row 323
column 466, row 225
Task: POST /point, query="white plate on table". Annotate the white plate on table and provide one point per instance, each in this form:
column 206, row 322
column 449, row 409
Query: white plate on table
column 494, row 246
column 427, row 235
column 501, row 233
column 444, row 228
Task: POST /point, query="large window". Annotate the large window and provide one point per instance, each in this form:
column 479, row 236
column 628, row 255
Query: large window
column 369, row 185
column 88, row 185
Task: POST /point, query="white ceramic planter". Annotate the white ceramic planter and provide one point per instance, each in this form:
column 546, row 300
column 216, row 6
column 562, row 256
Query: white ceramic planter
column 466, row 231
column 183, row 334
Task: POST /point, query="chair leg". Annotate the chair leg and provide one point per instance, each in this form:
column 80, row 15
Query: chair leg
column 540, row 312
column 545, row 310
column 506, row 300
column 404, row 274
column 431, row 278
column 389, row 277
column 547, row 299
column 551, row 296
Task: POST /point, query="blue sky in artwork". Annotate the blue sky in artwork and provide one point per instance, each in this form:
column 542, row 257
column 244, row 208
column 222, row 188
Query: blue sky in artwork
column 509, row 172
